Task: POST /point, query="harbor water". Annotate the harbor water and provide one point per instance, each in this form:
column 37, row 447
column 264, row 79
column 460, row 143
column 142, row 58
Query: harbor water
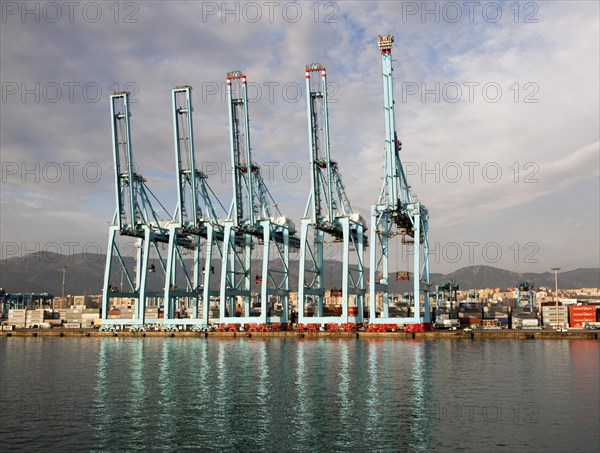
column 185, row 394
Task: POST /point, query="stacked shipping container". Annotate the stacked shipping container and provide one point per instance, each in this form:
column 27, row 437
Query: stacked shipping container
column 74, row 317
column 580, row 314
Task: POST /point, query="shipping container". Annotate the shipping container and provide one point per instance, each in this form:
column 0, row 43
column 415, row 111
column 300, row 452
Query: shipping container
column 582, row 313
column 582, row 308
column 489, row 323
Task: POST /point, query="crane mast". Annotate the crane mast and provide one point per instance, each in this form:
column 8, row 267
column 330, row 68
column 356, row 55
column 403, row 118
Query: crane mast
column 135, row 217
column 255, row 223
column 331, row 217
column 188, row 212
column 396, row 213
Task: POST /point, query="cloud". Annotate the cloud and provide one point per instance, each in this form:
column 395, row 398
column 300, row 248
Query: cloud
column 553, row 61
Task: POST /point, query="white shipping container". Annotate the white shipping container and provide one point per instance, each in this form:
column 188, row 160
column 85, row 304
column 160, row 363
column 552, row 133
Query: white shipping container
column 554, row 309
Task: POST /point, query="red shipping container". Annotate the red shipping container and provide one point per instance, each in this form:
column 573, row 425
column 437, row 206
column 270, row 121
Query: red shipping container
column 586, row 315
column 582, row 309
column 579, row 313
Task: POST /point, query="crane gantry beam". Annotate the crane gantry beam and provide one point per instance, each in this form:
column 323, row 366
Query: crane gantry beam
column 255, row 224
column 396, row 213
column 331, row 218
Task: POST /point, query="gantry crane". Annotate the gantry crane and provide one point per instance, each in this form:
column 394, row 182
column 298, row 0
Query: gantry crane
column 396, row 213
column 135, row 217
column 255, row 223
column 527, row 288
column 332, row 217
column 446, row 292
column 195, row 224
column 24, row 301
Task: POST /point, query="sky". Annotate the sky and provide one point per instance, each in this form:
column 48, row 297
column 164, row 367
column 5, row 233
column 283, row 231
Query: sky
column 497, row 107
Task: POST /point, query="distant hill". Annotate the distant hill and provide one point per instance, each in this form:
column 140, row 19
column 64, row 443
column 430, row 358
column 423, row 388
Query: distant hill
column 492, row 277
column 42, row 272
column 482, row 277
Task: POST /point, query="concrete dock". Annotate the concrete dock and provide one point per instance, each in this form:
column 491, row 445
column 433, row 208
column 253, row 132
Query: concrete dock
column 435, row 335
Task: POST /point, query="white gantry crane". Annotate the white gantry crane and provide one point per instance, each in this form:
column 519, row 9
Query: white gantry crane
column 136, row 218
column 255, row 229
column 397, row 214
column 330, row 219
column 197, row 228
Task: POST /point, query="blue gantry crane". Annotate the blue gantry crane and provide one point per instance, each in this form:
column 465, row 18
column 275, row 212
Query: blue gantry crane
column 525, row 291
column 331, row 217
column 397, row 213
column 196, row 223
column 24, row 301
column 136, row 218
column 254, row 224
column 446, row 292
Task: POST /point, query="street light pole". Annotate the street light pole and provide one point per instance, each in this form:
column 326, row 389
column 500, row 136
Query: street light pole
column 64, row 270
column 556, row 269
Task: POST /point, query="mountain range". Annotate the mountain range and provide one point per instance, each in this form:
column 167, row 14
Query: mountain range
column 43, row 271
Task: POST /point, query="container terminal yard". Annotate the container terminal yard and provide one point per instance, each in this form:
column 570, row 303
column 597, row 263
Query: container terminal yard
column 453, row 317
column 203, row 227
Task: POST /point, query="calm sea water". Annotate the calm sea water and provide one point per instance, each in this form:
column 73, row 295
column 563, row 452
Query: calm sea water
column 115, row 394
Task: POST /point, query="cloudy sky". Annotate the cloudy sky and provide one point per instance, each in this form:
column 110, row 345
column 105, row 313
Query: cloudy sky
column 497, row 109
